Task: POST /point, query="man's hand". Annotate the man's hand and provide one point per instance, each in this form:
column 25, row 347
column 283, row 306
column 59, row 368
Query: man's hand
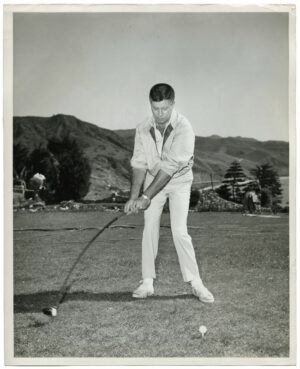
column 128, row 208
column 141, row 204
column 133, row 206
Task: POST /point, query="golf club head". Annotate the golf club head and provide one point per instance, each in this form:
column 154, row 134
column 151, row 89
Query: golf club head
column 51, row 311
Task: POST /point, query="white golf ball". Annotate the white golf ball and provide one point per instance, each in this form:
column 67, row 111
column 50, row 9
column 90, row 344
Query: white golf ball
column 202, row 330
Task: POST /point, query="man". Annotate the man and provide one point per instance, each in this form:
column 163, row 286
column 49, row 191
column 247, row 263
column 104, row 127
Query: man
column 162, row 163
column 251, row 202
column 37, row 183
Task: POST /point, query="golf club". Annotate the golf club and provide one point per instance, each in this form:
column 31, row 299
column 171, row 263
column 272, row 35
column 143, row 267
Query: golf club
column 52, row 311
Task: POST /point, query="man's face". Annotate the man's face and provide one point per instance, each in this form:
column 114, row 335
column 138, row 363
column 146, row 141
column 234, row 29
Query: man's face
column 162, row 110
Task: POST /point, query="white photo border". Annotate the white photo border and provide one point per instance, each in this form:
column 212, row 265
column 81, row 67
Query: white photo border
column 8, row 12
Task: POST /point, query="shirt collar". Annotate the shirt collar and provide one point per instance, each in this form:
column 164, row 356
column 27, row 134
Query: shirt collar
column 168, row 129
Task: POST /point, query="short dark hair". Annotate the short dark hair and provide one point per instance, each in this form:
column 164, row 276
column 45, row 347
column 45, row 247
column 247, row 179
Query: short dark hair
column 161, row 91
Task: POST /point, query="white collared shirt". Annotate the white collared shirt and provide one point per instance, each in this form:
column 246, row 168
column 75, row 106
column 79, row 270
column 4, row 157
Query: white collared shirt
column 174, row 156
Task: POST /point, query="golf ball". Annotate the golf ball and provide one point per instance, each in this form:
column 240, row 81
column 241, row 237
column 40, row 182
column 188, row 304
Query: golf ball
column 202, row 330
column 52, row 311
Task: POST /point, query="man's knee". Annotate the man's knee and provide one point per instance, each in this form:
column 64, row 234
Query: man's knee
column 151, row 225
column 152, row 218
column 180, row 233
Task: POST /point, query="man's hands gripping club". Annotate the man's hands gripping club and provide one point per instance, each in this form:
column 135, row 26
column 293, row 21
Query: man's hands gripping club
column 136, row 202
column 133, row 206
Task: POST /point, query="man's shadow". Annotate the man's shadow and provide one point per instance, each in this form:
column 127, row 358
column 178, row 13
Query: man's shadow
column 35, row 302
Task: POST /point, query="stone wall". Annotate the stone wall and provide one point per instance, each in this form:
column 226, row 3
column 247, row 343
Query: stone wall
column 210, row 201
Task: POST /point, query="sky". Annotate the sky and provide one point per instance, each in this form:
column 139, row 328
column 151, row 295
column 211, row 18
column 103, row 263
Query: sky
column 229, row 70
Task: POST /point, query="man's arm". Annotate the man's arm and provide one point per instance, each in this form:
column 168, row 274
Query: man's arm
column 138, row 177
column 139, row 169
column 159, row 182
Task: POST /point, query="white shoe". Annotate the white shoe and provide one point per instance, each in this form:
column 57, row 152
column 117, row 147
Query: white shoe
column 143, row 291
column 200, row 291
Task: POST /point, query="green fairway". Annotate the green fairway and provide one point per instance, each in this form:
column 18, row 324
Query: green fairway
column 244, row 262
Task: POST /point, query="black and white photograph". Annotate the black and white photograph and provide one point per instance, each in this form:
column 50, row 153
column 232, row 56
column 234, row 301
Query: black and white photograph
column 150, row 185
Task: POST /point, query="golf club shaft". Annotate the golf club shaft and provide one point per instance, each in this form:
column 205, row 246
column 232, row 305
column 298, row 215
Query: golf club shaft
column 64, row 289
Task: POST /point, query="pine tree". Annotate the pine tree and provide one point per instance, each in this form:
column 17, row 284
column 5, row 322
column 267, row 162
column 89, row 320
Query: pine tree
column 270, row 184
column 234, row 173
column 233, row 176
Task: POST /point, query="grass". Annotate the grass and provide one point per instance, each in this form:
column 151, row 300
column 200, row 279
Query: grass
column 244, row 262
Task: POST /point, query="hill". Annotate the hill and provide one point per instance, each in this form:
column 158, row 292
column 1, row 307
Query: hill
column 110, row 151
column 214, row 154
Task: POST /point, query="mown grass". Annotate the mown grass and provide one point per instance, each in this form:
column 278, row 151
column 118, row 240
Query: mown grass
column 243, row 260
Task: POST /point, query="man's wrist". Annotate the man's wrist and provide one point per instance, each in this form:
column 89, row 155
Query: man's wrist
column 146, row 197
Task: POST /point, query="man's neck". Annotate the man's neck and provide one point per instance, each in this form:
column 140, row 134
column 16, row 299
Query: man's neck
column 161, row 127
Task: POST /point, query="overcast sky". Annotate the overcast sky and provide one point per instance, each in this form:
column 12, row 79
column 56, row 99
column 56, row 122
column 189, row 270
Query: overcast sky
column 229, row 70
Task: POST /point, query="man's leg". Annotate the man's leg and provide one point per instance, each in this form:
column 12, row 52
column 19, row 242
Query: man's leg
column 151, row 234
column 179, row 206
column 150, row 240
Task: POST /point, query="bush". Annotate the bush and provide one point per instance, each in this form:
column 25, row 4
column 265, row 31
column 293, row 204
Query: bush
column 223, row 192
column 194, row 198
column 285, row 209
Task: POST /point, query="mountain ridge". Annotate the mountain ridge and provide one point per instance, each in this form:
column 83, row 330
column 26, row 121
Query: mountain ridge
column 109, row 151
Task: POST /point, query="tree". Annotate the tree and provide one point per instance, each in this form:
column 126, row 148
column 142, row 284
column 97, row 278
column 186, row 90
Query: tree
column 74, row 169
column 234, row 173
column 270, row 184
column 42, row 161
column 20, row 159
column 66, row 168
column 268, row 178
column 233, row 176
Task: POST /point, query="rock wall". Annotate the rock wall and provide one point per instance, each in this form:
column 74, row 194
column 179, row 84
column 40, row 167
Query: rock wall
column 210, row 201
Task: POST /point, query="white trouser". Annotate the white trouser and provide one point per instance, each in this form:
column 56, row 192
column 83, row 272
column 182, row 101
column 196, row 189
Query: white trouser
column 179, row 197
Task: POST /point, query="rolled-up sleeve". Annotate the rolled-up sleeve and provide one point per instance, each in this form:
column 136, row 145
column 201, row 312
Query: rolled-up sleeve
column 181, row 152
column 138, row 159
